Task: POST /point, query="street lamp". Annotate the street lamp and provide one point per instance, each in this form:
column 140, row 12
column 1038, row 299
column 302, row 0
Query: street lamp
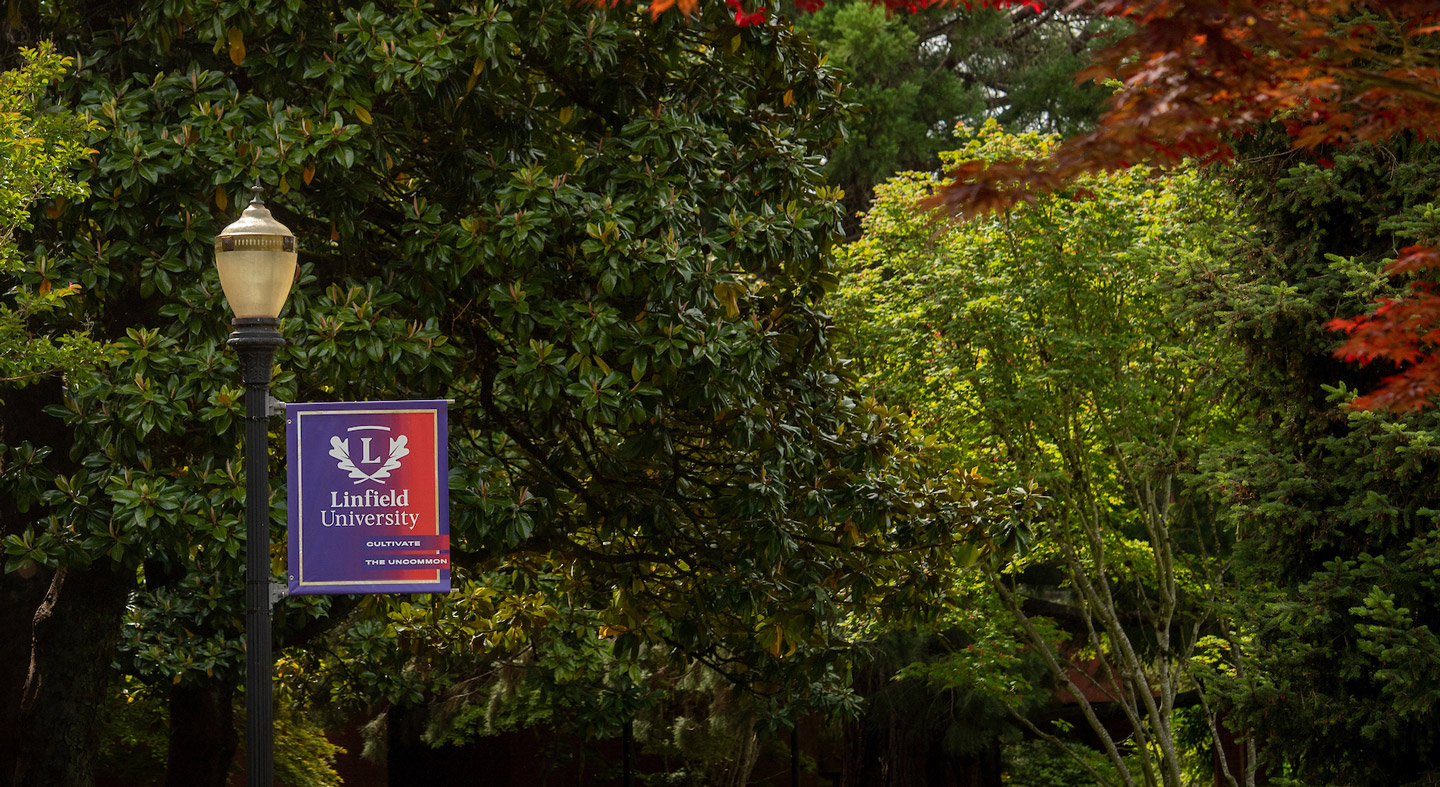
column 256, row 259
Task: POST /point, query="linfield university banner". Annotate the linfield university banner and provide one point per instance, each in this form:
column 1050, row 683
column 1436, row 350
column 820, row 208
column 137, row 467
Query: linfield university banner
column 369, row 500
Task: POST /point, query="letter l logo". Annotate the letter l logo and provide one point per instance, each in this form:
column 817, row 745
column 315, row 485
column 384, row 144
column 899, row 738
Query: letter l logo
column 365, row 451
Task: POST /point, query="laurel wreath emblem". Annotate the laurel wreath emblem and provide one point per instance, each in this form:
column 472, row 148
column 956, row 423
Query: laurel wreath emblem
column 340, row 450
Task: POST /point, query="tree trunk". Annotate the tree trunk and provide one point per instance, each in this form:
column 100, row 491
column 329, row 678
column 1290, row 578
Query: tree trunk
column 19, row 597
column 73, row 640
column 21, row 591
column 203, row 739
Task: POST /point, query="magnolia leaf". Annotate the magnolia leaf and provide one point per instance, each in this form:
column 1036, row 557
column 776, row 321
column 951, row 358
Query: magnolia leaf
column 475, row 74
column 237, row 45
column 726, row 292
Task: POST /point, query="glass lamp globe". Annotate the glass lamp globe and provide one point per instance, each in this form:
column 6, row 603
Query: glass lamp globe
column 256, row 257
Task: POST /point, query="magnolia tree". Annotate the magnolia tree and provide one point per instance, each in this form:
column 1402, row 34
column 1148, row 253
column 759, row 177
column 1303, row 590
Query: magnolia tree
column 605, row 237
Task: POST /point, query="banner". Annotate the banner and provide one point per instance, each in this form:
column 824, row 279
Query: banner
column 369, row 498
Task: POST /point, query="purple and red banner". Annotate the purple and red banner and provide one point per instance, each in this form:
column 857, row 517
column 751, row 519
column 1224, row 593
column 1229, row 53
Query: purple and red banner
column 369, row 498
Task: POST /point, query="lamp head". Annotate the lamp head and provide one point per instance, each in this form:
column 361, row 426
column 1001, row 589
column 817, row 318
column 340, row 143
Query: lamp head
column 256, row 257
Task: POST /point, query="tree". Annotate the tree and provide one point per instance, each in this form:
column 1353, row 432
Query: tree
column 1337, row 505
column 917, row 75
column 605, row 238
column 1043, row 345
column 40, row 341
column 39, row 148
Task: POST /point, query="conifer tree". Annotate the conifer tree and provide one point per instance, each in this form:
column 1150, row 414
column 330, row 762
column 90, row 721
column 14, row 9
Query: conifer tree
column 1336, row 509
column 915, row 76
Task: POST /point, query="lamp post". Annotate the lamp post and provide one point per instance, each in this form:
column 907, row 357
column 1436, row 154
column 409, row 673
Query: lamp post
column 256, row 259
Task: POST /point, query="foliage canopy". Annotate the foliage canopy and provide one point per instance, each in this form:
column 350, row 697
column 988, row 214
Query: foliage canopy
column 37, row 150
column 605, row 238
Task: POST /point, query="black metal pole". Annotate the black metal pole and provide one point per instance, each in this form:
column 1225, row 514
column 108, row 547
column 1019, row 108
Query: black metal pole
column 256, row 339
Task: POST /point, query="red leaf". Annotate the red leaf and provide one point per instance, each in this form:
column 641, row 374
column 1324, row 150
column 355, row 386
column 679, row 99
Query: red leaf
column 1405, row 332
column 1413, row 259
